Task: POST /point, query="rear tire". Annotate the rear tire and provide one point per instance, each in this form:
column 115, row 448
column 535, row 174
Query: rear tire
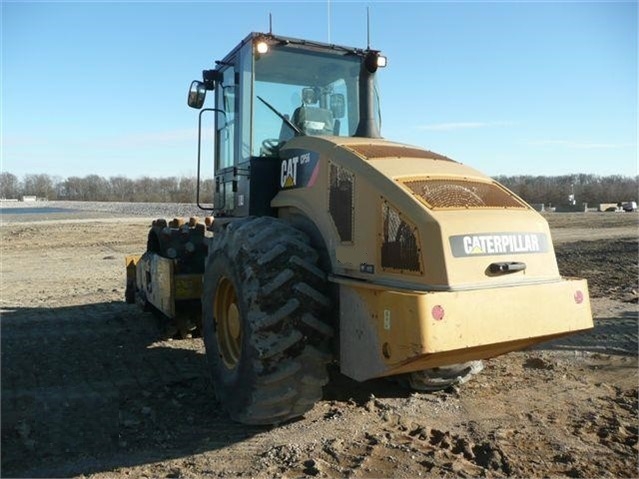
column 264, row 305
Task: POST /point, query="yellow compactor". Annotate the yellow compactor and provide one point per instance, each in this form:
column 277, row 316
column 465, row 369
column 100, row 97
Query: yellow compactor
column 330, row 243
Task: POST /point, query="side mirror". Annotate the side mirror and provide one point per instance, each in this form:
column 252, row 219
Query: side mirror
column 338, row 105
column 197, row 94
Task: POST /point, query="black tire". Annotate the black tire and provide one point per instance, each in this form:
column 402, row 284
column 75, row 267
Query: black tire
column 438, row 379
column 264, row 309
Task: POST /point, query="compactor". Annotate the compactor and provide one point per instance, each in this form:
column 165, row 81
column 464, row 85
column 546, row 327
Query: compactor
column 328, row 243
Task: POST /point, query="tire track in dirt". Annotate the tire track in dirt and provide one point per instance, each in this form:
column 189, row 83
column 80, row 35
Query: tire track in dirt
column 391, row 443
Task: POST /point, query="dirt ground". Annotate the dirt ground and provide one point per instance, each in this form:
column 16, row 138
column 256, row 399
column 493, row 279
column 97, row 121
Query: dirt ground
column 91, row 388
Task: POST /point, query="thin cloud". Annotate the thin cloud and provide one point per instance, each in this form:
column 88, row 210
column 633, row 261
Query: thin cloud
column 581, row 145
column 461, row 125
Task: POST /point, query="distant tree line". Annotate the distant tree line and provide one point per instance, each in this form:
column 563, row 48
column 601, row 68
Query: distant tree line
column 549, row 190
column 98, row 188
column 555, row 190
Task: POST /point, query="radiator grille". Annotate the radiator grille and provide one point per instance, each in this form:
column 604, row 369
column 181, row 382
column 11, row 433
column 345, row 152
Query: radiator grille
column 340, row 201
column 394, row 151
column 455, row 193
column 400, row 247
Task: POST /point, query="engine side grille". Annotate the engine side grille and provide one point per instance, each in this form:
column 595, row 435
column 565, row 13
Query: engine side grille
column 394, row 151
column 445, row 193
column 400, row 245
column 340, row 201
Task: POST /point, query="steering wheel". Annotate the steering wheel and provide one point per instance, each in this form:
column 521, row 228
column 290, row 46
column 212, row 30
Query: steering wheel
column 270, row 146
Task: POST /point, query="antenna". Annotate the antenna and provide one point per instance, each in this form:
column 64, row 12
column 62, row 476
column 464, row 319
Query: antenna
column 270, row 23
column 368, row 29
column 328, row 19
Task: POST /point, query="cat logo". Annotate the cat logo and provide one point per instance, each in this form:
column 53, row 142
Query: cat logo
column 288, row 177
column 300, row 169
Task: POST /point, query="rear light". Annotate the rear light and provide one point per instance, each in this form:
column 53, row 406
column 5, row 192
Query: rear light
column 438, row 313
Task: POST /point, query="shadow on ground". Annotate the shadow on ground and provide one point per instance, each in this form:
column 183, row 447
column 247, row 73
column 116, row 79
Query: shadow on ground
column 92, row 388
column 95, row 387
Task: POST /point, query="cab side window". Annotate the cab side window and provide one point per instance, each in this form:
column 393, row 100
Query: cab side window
column 225, row 131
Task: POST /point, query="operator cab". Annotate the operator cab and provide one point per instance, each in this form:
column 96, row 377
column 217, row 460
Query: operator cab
column 270, row 89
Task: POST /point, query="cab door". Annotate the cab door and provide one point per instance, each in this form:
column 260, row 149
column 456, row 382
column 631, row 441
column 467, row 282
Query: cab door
column 226, row 99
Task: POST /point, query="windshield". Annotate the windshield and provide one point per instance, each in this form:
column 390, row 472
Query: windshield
column 316, row 91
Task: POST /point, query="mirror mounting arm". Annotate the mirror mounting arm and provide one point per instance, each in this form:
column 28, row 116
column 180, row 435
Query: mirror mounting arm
column 211, row 78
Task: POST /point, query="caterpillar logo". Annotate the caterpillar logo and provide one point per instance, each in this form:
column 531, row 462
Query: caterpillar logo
column 288, row 177
column 299, row 169
column 498, row 244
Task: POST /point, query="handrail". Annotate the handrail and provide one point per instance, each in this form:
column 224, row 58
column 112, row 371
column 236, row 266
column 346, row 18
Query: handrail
column 199, row 149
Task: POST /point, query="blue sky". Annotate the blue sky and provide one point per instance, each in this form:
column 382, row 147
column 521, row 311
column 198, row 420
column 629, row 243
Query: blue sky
column 535, row 88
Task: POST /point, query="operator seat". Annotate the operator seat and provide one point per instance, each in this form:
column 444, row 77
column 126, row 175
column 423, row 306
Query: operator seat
column 313, row 120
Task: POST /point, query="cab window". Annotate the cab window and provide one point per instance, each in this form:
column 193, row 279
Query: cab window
column 225, row 130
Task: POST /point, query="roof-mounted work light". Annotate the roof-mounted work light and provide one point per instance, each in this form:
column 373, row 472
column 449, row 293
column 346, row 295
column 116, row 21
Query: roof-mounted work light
column 374, row 60
column 261, row 47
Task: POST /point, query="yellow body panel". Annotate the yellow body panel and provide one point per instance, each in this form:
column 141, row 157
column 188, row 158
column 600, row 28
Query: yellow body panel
column 131, row 262
column 378, row 182
column 401, row 332
column 156, row 280
column 385, row 307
